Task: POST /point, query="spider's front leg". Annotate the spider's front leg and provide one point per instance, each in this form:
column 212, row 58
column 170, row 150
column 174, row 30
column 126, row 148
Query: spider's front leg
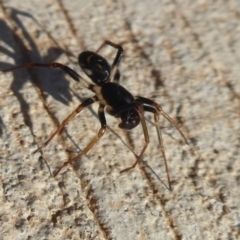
column 131, row 115
column 152, row 104
column 140, row 111
column 153, row 107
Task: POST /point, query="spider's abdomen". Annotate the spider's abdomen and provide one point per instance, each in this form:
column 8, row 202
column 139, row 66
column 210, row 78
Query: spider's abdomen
column 115, row 95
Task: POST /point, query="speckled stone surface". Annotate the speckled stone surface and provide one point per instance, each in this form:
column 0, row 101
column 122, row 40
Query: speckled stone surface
column 184, row 55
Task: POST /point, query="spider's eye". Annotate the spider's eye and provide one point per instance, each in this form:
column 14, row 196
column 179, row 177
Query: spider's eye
column 130, row 119
column 95, row 66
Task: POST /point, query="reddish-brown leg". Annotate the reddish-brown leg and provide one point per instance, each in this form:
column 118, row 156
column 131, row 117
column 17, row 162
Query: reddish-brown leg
column 146, row 137
column 91, row 144
column 84, row 104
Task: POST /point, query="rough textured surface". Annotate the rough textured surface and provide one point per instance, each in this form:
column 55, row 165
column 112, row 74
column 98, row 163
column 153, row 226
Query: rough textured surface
column 183, row 54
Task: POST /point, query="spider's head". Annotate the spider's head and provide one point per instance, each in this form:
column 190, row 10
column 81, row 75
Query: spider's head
column 130, row 119
column 95, row 67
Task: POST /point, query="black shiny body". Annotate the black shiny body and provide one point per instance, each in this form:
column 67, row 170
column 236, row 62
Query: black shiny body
column 121, row 104
column 112, row 98
column 115, row 95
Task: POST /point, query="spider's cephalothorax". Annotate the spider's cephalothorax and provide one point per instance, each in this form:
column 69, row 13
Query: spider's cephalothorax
column 112, row 97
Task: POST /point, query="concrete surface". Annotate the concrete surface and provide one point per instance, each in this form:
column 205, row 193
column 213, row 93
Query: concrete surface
column 183, row 54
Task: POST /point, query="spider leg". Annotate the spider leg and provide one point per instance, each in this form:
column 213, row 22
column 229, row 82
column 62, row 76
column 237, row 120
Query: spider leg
column 94, row 140
column 160, row 139
column 146, row 137
column 84, row 104
column 116, row 76
column 64, row 68
column 160, row 111
column 118, row 56
column 151, row 106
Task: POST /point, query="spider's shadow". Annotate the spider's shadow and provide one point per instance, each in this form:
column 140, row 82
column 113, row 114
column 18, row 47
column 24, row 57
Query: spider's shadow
column 24, row 50
column 44, row 78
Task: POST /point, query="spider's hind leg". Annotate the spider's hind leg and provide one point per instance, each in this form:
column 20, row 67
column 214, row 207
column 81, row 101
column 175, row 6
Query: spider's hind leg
column 118, row 56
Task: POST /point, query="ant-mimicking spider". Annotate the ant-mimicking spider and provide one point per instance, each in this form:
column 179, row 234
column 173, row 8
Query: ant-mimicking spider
column 117, row 100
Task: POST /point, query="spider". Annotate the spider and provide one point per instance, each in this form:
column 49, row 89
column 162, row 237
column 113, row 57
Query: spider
column 112, row 97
